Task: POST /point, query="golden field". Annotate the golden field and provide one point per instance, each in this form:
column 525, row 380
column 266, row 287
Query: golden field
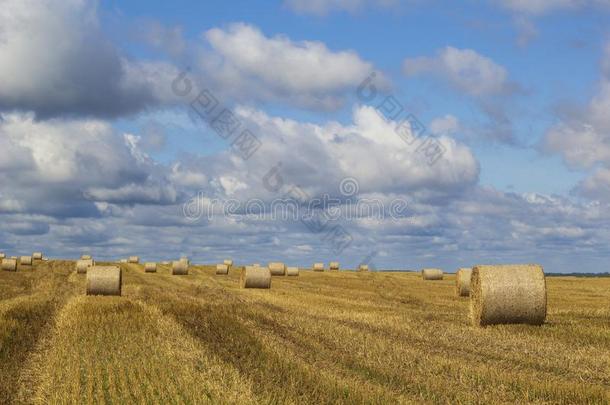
column 340, row 337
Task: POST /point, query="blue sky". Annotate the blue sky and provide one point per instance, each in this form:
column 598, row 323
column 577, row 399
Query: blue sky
column 515, row 93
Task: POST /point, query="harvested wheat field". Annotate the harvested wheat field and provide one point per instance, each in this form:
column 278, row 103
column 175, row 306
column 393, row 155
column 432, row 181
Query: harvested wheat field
column 322, row 337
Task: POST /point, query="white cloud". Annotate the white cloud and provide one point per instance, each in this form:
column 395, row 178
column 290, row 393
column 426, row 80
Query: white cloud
column 55, row 60
column 245, row 64
column 538, row 7
column 324, row 7
column 465, row 69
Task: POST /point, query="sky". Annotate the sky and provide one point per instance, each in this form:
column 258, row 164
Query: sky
column 398, row 133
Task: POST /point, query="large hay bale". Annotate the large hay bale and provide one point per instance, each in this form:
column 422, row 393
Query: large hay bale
column 134, row 259
column 508, row 294
column 37, row 256
column 2, row 256
column 363, row 267
column 86, row 257
column 83, row 265
column 180, row 268
column 9, row 264
column 432, row 274
column 25, row 260
column 255, row 277
column 277, row 268
column 462, row 282
column 104, row 280
column 292, row 271
column 222, row 269
column 318, row 267
column 150, row 267
column 334, row 266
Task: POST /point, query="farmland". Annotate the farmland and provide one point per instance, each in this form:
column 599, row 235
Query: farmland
column 321, row 337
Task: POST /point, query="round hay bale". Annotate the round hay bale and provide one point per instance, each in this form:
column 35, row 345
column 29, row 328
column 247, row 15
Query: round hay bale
column 9, row 264
column 363, row 267
column 25, row 260
column 180, row 268
column 222, row 269
column 123, row 261
column 508, row 294
column 14, row 258
column 185, row 260
column 277, row 268
column 256, row 265
column 86, row 257
column 150, row 267
column 83, row 265
column 432, row 274
column 334, row 266
column 318, row 267
column 462, row 282
column 2, row 256
column 166, row 263
column 37, row 256
column 228, row 262
column 292, row 271
column 255, row 277
column 134, row 259
column 104, row 280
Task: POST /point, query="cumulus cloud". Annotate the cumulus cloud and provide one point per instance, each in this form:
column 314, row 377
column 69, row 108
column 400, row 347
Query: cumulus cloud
column 465, row 69
column 324, row 7
column 244, row 64
column 55, row 60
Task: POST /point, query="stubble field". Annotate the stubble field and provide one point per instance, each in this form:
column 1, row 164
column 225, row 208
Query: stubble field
column 332, row 337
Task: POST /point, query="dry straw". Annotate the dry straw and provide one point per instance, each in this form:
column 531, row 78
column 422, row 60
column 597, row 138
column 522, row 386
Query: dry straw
column 9, row 264
column 83, row 265
column 255, row 277
column 180, row 268
column 318, row 267
column 277, row 268
column 104, row 280
column 292, row 271
column 432, row 274
column 363, row 267
column 37, row 256
column 134, row 259
column 150, row 267
column 508, row 294
column 462, row 282
column 222, row 269
column 25, row 260
column 334, row 266
column 86, row 257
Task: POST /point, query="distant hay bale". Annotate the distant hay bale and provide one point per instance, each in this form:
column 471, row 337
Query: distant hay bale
column 185, row 260
column 180, row 268
column 123, row 261
column 134, row 259
column 255, row 277
column 256, row 265
column 25, row 260
column 150, row 267
column 14, row 258
column 222, row 269
column 9, row 264
column 2, row 256
column 104, row 280
column 432, row 274
column 166, row 263
column 333, row 266
column 86, row 257
column 363, row 267
column 277, row 268
column 508, row 294
column 318, row 267
column 462, row 282
column 37, row 256
column 83, row 265
column 228, row 262
column 292, row 271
